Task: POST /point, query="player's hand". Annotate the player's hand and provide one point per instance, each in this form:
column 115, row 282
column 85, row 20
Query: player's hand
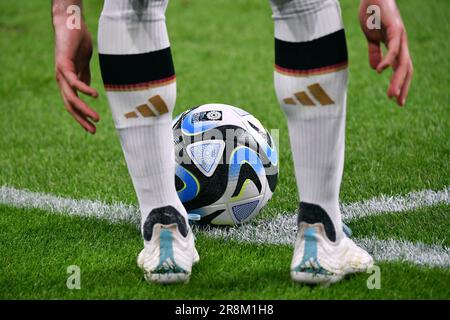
column 393, row 34
column 73, row 51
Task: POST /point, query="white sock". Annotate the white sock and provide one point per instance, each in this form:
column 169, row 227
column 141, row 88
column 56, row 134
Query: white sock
column 311, row 85
column 139, row 79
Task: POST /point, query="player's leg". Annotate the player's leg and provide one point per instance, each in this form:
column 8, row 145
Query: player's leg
column 139, row 79
column 311, row 85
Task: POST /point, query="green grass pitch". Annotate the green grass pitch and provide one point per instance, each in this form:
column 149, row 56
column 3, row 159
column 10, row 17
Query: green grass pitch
column 223, row 52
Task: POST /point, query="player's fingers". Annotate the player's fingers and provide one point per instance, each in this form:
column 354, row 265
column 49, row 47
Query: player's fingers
column 408, row 61
column 400, row 76
column 374, row 54
column 405, row 89
column 397, row 80
column 79, row 85
column 85, row 76
column 393, row 45
column 76, row 102
column 88, row 126
column 85, row 123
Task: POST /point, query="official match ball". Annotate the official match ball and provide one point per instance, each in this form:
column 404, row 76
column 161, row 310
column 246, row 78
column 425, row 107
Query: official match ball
column 226, row 164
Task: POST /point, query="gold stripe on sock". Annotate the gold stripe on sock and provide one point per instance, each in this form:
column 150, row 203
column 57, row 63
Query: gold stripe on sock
column 131, row 114
column 145, row 111
column 159, row 104
column 289, row 101
column 304, row 99
column 320, row 94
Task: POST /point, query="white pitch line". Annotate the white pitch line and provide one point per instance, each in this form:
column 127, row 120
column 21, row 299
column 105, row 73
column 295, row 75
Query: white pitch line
column 115, row 212
column 400, row 250
column 269, row 232
column 280, row 230
column 383, row 204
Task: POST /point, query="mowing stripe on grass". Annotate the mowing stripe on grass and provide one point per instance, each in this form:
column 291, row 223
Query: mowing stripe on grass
column 279, row 230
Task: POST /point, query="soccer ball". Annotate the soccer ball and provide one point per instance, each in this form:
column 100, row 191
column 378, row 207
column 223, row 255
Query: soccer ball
column 226, row 164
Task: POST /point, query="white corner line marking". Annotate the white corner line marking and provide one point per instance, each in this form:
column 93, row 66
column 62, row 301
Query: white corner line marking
column 383, row 204
column 115, row 212
column 279, row 230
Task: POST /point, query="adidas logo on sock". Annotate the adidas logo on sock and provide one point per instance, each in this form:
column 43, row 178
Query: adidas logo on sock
column 156, row 107
column 316, row 91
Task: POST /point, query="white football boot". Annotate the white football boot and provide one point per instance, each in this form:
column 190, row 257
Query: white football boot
column 318, row 260
column 169, row 249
